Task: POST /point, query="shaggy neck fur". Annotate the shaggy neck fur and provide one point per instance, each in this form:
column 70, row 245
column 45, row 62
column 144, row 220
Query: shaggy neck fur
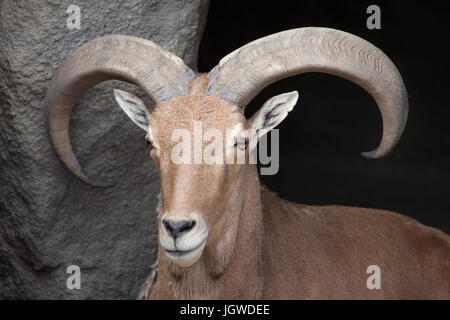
column 218, row 274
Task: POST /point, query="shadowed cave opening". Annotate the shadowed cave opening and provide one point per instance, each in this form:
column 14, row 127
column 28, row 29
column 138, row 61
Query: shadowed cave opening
column 334, row 119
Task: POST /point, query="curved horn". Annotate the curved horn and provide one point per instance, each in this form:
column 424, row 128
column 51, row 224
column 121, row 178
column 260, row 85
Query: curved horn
column 161, row 74
column 242, row 74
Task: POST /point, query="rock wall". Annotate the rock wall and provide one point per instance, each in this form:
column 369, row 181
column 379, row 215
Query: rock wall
column 48, row 218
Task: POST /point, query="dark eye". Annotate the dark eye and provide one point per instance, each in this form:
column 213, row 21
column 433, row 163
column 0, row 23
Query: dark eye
column 241, row 144
column 148, row 143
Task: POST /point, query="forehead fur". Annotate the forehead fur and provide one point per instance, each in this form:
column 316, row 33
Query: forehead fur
column 181, row 112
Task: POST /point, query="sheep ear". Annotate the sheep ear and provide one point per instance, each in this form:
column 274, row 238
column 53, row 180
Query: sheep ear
column 134, row 107
column 272, row 113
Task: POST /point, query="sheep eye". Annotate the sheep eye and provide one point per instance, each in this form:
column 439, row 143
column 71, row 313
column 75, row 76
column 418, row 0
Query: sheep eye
column 241, row 144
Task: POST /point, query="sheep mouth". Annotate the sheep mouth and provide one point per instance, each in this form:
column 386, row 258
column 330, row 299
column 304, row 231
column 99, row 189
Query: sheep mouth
column 185, row 253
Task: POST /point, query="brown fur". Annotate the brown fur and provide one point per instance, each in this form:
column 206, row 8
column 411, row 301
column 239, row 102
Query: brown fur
column 261, row 246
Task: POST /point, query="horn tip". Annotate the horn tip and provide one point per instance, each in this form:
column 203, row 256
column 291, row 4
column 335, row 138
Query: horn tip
column 374, row 154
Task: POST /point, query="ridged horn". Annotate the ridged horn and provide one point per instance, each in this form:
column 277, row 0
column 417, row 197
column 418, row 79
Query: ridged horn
column 242, row 74
column 161, row 74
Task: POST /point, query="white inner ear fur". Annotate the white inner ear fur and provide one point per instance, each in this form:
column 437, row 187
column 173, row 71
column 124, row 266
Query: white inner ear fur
column 272, row 113
column 134, row 107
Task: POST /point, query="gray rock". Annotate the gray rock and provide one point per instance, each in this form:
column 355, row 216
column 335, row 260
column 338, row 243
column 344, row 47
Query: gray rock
column 49, row 219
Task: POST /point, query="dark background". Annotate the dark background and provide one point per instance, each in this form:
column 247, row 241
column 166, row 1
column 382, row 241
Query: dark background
column 334, row 120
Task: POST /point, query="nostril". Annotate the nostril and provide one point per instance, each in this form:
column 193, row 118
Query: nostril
column 187, row 226
column 168, row 225
column 176, row 227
